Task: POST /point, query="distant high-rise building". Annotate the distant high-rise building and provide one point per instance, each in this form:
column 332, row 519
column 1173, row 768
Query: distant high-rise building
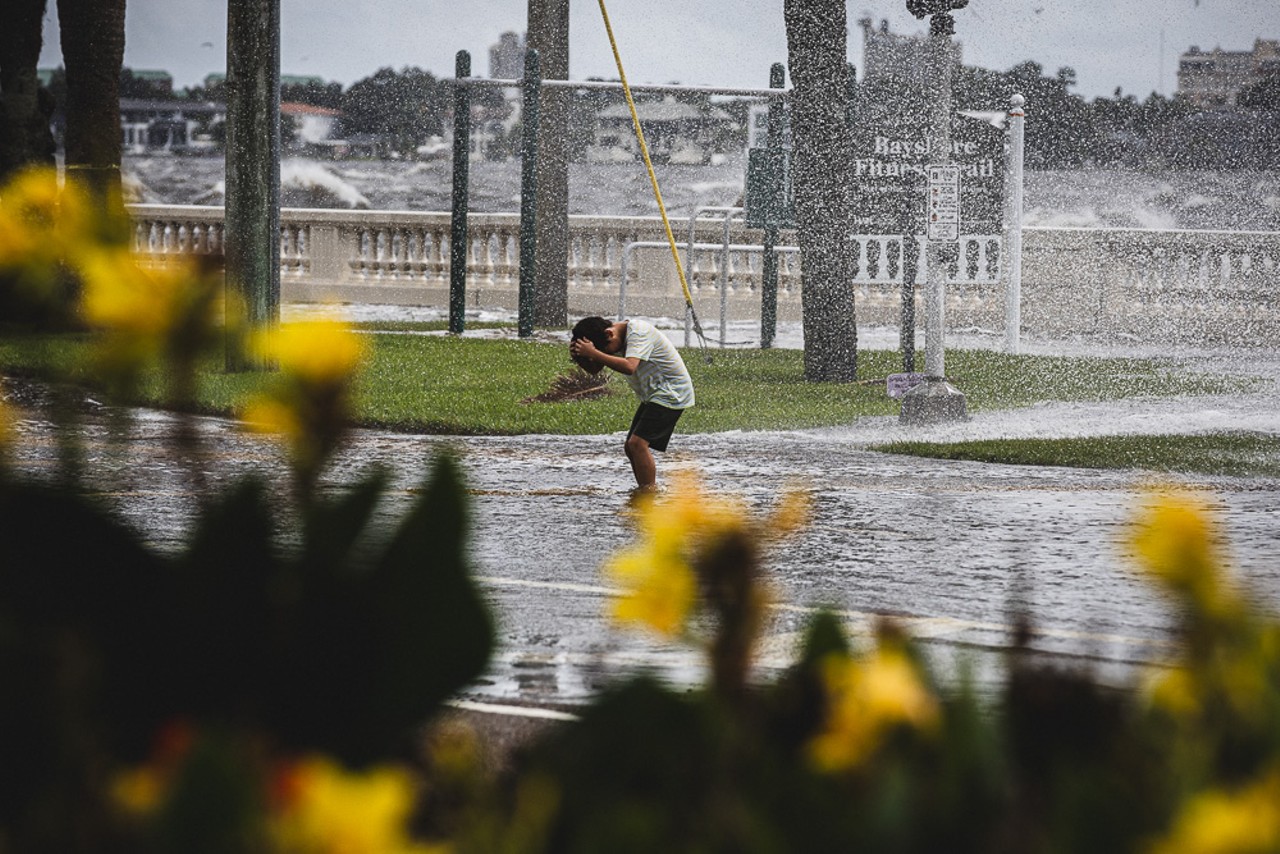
column 1215, row 79
column 506, row 58
column 890, row 55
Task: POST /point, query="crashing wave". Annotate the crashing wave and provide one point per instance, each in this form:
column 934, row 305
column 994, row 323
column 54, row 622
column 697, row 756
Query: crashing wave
column 305, row 184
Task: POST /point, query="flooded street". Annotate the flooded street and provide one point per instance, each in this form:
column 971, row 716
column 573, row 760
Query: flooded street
column 948, row 548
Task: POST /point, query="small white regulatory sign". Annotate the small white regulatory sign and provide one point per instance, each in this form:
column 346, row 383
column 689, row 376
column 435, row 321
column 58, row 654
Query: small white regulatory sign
column 944, row 202
column 896, row 385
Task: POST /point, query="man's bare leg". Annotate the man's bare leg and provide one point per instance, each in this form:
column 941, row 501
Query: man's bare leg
column 642, row 463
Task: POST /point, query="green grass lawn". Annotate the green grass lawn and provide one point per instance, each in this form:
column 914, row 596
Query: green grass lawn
column 468, row 386
column 1210, row 453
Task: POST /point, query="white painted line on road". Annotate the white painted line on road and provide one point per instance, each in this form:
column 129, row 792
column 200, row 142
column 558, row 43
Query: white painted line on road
column 511, row 711
column 549, row 585
column 941, row 626
column 922, row 627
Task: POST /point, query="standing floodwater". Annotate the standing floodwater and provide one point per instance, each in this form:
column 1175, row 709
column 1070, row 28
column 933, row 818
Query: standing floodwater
column 947, row 547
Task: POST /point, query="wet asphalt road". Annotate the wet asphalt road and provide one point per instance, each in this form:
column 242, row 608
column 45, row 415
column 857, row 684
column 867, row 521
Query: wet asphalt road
column 946, row 547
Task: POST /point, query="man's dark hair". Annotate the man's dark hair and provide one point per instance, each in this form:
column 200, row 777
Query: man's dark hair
column 592, row 329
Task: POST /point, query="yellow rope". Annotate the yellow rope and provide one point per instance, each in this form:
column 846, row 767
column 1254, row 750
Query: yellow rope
column 653, row 179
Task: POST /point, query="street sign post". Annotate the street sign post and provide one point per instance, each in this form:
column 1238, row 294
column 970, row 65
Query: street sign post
column 944, row 202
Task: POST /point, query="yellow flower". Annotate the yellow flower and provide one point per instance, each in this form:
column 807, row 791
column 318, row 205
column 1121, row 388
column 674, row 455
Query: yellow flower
column 677, row 532
column 1175, row 541
column 121, row 296
column 308, row 401
column 866, row 700
column 323, row 352
column 265, row 415
column 1221, row 822
column 40, row 218
column 6, row 426
column 659, row 589
column 140, row 791
column 1177, row 692
column 324, row 809
column 42, row 229
column 657, row 575
column 1172, row 538
column 792, row 513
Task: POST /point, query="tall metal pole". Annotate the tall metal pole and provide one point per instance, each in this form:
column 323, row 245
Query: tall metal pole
column 252, row 219
column 941, row 26
column 530, row 90
column 461, row 180
column 908, row 224
column 1013, row 227
column 935, row 400
column 769, row 268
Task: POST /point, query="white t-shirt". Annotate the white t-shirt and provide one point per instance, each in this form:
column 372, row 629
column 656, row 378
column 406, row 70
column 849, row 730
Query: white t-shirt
column 661, row 376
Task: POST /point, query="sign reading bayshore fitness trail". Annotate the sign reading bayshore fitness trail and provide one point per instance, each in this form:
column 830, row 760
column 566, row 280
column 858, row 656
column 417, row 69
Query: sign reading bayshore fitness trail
column 889, row 172
column 891, row 177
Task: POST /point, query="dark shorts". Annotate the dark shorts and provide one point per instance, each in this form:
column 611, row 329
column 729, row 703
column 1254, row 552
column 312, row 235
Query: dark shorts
column 654, row 423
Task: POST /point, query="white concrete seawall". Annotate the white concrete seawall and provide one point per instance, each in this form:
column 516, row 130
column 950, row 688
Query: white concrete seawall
column 1204, row 286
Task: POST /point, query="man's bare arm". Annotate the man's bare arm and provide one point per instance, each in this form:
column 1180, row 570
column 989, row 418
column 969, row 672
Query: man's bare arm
column 584, row 348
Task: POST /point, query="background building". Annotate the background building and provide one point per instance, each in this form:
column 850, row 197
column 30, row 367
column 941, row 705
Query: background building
column 1214, row 79
column 506, row 58
column 890, row 56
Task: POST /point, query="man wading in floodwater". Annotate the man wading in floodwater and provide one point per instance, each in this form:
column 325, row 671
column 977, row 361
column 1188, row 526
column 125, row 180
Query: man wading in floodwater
column 656, row 373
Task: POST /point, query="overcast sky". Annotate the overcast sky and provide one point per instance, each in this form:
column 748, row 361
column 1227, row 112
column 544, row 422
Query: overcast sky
column 1133, row 44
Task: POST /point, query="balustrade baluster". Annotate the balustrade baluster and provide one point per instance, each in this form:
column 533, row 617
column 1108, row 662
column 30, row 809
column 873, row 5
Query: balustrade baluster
column 288, row 248
column 440, row 254
column 417, row 254
column 509, row 257
column 400, row 242
column 590, row 270
column 360, row 256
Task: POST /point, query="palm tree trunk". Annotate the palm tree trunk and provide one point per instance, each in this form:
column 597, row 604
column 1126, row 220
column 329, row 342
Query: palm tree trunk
column 24, row 114
column 822, row 151
column 93, row 51
column 548, row 24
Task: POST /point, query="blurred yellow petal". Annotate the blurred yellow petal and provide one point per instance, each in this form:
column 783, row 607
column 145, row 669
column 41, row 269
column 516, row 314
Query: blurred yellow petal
column 1173, row 536
column 139, row 791
column 1220, row 822
column 44, row 215
column 792, row 513
column 894, row 692
column 677, row 531
column 1177, row 692
column 316, row 351
column 658, row 590
column 6, row 426
column 268, row 415
column 867, row 700
column 1175, row 541
column 333, row 811
column 118, row 294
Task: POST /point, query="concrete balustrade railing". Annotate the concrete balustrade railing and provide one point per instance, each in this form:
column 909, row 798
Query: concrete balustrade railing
column 1206, row 285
